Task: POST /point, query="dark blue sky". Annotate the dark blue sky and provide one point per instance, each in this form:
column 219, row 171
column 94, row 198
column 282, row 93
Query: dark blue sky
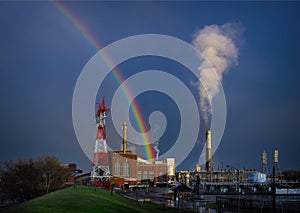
column 43, row 53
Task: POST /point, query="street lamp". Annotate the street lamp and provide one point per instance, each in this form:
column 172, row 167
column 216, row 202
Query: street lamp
column 76, row 171
column 238, row 184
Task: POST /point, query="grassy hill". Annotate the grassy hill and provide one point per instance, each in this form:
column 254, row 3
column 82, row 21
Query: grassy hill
column 83, row 199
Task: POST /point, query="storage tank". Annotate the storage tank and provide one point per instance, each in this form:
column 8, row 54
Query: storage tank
column 257, row 177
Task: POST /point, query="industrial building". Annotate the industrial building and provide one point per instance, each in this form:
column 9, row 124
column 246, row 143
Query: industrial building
column 135, row 170
column 122, row 167
column 231, row 179
column 226, row 180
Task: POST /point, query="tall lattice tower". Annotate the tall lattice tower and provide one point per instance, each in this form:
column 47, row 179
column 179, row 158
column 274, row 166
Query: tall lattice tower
column 100, row 161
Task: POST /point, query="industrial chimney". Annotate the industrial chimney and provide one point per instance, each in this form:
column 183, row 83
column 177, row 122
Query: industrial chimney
column 124, row 137
column 264, row 161
column 208, row 150
column 276, row 160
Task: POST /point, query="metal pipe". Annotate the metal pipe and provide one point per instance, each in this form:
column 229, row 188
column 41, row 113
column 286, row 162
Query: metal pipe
column 124, row 137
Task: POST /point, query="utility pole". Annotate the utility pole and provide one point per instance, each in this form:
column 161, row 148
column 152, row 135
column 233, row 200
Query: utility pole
column 238, row 183
column 274, row 190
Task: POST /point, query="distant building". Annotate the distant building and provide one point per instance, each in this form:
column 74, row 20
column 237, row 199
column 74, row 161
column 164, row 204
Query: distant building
column 152, row 172
column 171, row 168
column 124, row 165
column 136, row 170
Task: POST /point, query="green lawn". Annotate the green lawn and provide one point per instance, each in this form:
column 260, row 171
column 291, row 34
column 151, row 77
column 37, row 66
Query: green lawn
column 83, row 199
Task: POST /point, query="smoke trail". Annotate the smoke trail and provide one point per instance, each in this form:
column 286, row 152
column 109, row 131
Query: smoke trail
column 155, row 147
column 219, row 45
column 155, row 144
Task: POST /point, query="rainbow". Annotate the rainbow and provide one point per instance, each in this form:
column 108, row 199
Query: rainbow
column 138, row 117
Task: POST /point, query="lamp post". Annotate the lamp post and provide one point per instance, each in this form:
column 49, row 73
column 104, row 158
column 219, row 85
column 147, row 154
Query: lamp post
column 238, row 185
column 75, row 172
column 74, row 178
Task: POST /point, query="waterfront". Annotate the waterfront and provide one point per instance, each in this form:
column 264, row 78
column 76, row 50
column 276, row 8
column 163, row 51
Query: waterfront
column 215, row 203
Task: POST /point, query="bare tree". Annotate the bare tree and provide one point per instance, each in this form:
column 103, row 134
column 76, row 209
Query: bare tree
column 52, row 175
column 27, row 178
column 18, row 180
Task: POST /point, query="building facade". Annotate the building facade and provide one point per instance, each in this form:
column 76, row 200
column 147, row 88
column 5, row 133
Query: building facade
column 124, row 165
column 135, row 170
column 152, row 172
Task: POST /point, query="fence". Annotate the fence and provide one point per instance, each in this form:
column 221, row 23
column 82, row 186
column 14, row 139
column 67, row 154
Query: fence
column 235, row 202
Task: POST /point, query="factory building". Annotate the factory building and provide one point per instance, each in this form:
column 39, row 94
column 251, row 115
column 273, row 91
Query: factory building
column 123, row 165
column 224, row 180
column 231, row 179
column 152, row 172
column 134, row 170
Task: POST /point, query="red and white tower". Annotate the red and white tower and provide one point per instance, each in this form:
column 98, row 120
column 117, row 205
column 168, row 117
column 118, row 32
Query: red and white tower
column 100, row 161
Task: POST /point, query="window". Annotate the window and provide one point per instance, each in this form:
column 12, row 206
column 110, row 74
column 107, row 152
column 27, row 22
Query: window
column 139, row 172
column 161, row 176
column 126, row 169
column 117, row 168
column 139, row 178
column 145, row 172
column 151, row 172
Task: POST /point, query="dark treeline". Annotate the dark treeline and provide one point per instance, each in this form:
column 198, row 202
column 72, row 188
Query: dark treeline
column 28, row 178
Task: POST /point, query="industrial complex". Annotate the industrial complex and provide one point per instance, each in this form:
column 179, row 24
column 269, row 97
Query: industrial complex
column 123, row 168
column 230, row 188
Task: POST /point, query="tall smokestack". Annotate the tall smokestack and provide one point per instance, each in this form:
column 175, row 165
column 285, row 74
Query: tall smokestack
column 264, row 161
column 275, row 155
column 124, row 137
column 208, row 150
column 276, row 160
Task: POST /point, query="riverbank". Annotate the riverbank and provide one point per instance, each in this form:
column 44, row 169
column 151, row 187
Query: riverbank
column 84, row 199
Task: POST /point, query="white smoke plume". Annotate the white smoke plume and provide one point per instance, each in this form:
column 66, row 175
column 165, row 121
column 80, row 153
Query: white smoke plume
column 155, row 147
column 155, row 130
column 219, row 46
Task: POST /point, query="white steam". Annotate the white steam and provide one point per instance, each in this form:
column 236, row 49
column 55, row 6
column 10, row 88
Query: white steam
column 219, row 46
column 155, row 129
column 155, row 147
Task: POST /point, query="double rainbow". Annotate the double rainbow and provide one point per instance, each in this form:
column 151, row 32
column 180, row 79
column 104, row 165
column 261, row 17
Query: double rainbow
column 138, row 117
